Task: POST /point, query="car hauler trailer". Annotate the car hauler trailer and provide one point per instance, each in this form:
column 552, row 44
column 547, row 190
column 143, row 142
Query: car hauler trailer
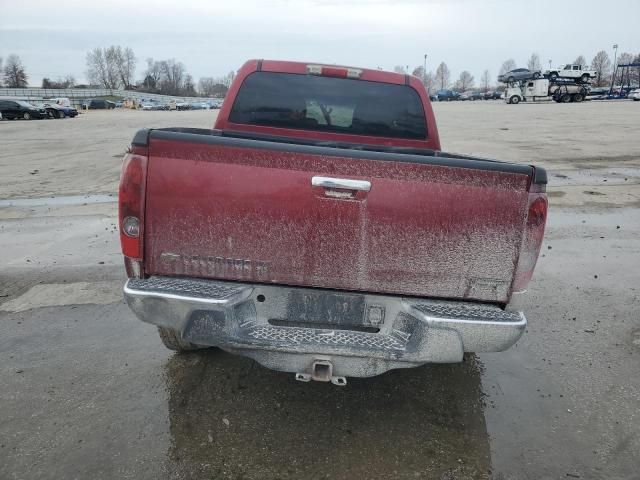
column 563, row 91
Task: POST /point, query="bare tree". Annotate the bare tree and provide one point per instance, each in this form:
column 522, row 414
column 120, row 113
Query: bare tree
column 189, row 87
column 151, row 75
column 111, row 67
column 173, row 76
column 112, row 58
column 14, row 73
column 418, row 72
column 67, row 82
column 486, row 80
column 465, row 81
column 602, row 65
column 507, row 66
column 206, row 86
column 533, row 63
column 426, row 77
column 126, row 66
column 625, row 58
column 630, row 75
column 443, row 76
column 97, row 68
column 169, row 77
column 580, row 60
column 429, row 82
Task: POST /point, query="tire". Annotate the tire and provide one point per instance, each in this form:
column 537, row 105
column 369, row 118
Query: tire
column 566, row 98
column 553, row 76
column 514, row 99
column 578, row 97
column 26, row 116
column 172, row 341
column 585, row 78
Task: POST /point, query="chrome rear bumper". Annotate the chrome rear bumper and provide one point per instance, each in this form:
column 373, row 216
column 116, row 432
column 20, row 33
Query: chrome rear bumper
column 294, row 329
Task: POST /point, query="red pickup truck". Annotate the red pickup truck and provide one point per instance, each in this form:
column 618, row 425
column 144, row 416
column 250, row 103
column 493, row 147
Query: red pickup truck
column 320, row 230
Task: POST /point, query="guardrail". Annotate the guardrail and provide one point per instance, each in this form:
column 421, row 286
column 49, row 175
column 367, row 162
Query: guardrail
column 78, row 95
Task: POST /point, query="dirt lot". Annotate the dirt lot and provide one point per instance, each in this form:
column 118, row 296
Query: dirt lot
column 89, row 392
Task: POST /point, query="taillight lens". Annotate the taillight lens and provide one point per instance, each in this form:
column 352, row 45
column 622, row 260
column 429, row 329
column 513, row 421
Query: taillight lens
column 131, row 205
column 532, row 241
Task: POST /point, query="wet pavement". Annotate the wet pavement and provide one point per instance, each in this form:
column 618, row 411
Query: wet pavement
column 90, row 392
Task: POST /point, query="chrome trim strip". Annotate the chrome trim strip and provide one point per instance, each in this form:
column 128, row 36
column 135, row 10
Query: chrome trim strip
column 344, row 183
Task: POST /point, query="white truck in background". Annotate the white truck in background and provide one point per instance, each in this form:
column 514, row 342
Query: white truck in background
column 544, row 89
column 574, row 71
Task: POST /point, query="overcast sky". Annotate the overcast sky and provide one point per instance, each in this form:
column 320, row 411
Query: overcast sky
column 214, row 37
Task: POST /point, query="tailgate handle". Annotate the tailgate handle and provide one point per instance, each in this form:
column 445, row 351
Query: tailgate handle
column 341, row 183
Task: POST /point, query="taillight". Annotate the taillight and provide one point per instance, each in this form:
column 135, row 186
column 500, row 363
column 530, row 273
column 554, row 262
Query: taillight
column 131, row 205
column 532, row 241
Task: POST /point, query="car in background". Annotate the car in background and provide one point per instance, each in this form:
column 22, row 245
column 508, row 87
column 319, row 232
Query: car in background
column 518, row 74
column 199, row 106
column 465, row 96
column 59, row 111
column 493, row 95
column 477, row 96
column 62, row 101
column 598, row 93
column 98, row 104
column 446, row 95
column 578, row 72
column 635, row 95
column 14, row 109
column 183, row 106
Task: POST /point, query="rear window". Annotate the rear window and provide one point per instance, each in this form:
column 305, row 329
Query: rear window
column 338, row 105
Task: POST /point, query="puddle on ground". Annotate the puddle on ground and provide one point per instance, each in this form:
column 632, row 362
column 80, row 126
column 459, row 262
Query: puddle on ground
column 593, row 177
column 58, row 201
column 229, row 417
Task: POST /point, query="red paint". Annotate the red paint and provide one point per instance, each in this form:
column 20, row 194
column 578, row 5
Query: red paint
column 422, row 230
column 222, row 122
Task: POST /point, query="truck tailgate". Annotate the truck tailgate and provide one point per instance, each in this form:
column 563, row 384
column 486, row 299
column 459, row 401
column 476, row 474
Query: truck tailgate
column 247, row 210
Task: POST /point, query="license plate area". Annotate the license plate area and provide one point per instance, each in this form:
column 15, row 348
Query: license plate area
column 325, row 308
column 319, row 309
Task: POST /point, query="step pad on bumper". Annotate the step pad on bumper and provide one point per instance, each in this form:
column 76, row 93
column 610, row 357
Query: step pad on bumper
column 295, row 335
column 248, row 319
column 467, row 312
column 195, row 288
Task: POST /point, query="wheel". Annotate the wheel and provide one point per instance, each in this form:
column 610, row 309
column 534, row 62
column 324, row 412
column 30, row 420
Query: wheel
column 26, row 116
column 511, row 79
column 172, row 341
column 578, row 97
column 553, row 76
column 566, row 98
column 585, row 78
column 61, row 114
column 514, row 99
column 536, row 75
